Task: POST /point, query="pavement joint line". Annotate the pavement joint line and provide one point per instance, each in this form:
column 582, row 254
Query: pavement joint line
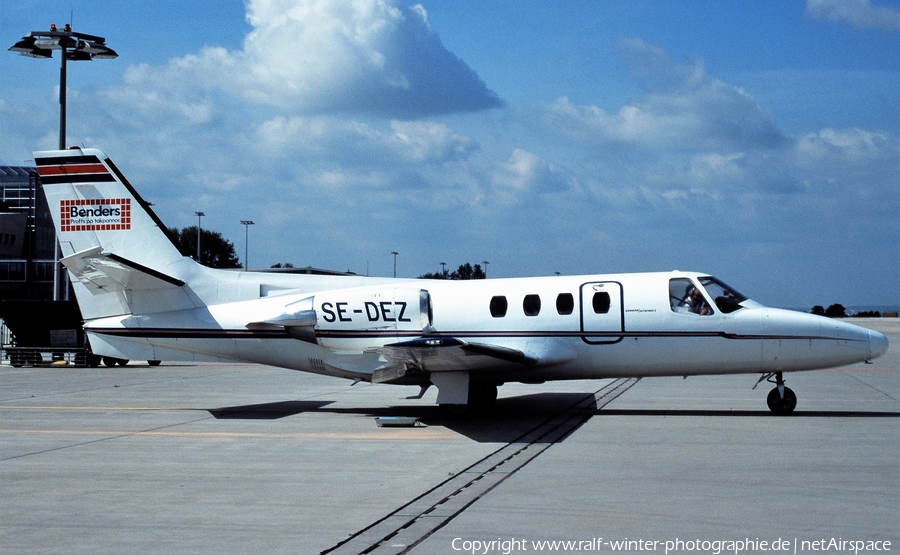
column 867, row 384
column 108, row 438
column 104, row 387
column 436, row 507
column 76, row 408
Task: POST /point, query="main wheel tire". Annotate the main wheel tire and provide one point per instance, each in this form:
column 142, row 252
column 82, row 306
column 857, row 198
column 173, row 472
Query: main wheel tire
column 779, row 404
column 482, row 395
column 457, row 411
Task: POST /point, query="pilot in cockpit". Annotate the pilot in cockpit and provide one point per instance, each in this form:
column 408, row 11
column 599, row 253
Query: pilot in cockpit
column 697, row 303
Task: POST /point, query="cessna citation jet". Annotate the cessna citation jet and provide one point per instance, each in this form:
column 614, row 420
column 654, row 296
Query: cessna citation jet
column 141, row 299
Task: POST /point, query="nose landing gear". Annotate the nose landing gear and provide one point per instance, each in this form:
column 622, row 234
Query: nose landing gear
column 781, row 399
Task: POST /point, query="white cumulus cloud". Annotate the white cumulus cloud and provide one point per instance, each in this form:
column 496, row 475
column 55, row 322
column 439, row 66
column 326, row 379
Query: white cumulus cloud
column 353, row 143
column 684, row 108
column 376, row 57
column 859, row 14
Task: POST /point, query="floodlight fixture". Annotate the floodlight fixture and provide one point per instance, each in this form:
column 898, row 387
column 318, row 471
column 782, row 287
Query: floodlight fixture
column 74, row 46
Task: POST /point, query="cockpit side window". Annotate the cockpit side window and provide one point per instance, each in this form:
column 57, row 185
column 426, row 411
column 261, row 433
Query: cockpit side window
column 727, row 299
column 685, row 297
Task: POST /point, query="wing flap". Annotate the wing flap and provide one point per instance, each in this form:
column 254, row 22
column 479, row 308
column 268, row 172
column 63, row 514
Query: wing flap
column 445, row 354
column 103, row 272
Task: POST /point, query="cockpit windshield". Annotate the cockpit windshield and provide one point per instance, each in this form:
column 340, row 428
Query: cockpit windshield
column 686, row 297
column 727, row 299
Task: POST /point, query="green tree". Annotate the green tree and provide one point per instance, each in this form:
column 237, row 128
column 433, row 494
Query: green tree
column 868, row 314
column 436, row 275
column 836, row 311
column 215, row 250
column 465, row 271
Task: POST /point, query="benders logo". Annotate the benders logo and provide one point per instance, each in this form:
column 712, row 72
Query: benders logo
column 95, row 214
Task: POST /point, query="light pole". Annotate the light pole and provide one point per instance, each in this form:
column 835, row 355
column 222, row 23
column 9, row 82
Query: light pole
column 485, row 262
column 443, row 269
column 246, row 224
column 395, row 253
column 74, row 46
column 199, row 215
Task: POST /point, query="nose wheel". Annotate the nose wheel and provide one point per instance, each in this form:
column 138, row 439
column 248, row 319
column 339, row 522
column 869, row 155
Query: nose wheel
column 781, row 399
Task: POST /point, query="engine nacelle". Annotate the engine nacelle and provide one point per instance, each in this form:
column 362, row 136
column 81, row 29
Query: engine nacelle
column 359, row 319
column 368, row 318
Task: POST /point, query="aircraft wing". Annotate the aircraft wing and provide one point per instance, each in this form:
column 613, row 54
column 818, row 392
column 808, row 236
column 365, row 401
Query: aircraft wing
column 101, row 272
column 446, row 354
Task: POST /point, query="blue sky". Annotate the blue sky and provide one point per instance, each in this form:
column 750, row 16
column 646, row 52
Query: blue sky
column 759, row 142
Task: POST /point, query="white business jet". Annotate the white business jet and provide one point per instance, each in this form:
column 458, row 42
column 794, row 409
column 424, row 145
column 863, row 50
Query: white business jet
column 142, row 300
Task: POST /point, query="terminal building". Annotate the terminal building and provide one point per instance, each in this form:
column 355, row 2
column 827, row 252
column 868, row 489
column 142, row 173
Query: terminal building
column 27, row 241
column 34, row 322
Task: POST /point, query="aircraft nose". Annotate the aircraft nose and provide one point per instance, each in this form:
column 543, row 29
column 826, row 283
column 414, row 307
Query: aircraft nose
column 878, row 344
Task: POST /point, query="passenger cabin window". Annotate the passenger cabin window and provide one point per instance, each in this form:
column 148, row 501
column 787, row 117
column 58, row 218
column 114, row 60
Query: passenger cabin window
column 686, row 298
column 498, row 306
column 565, row 303
column 532, row 305
column 601, row 302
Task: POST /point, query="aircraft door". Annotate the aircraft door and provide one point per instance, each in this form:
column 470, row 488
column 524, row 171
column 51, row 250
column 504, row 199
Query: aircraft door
column 602, row 312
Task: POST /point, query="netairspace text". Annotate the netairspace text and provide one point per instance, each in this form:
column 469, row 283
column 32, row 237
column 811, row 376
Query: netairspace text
column 713, row 547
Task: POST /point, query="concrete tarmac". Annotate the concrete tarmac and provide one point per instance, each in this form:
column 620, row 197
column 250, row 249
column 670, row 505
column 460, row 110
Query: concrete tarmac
column 247, row 459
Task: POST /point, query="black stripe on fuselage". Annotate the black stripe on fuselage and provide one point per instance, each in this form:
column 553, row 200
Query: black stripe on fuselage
column 194, row 333
column 189, row 333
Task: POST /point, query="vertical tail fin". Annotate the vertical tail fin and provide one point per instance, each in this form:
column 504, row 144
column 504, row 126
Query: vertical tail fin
column 115, row 248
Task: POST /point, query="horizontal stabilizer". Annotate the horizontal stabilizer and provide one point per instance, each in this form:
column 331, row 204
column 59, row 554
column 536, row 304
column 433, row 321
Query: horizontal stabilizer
column 103, row 272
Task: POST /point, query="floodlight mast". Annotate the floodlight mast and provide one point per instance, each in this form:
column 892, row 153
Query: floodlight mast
column 74, row 46
column 247, row 224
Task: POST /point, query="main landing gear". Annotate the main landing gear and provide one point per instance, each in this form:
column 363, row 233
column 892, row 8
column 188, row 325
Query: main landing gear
column 481, row 396
column 781, row 399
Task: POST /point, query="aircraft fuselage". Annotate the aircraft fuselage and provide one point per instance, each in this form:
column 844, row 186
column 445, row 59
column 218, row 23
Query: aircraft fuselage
column 551, row 320
column 141, row 299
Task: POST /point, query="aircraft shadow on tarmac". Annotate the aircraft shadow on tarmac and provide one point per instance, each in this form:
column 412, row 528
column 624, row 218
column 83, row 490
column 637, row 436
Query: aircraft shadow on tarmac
column 506, row 421
column 267, row 411
column 762, row 412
